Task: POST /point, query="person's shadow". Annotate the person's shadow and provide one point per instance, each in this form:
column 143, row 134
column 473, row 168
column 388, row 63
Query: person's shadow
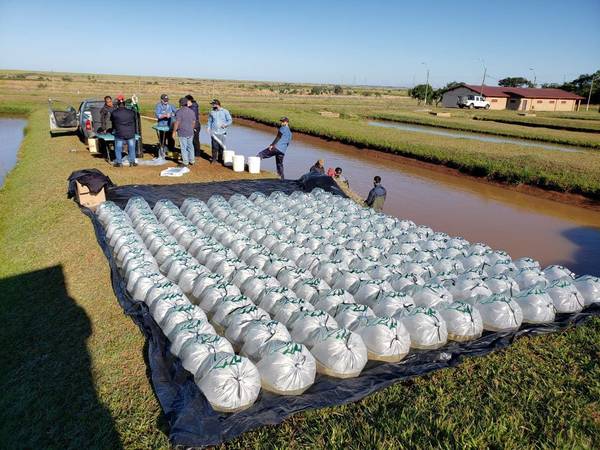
column 586, row 257
column 48, row 398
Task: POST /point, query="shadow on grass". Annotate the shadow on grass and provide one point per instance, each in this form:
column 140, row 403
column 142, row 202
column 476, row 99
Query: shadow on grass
column 48, row 397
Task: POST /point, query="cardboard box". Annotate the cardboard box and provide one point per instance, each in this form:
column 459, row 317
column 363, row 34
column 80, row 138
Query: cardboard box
column 93, row 146
column 87, row 199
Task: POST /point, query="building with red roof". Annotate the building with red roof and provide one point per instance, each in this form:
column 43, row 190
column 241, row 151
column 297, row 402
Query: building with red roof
column 518, row 99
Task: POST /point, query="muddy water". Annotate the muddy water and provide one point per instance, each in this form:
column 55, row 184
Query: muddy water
column 523, row 225
column 11, row 135
column 475, row 136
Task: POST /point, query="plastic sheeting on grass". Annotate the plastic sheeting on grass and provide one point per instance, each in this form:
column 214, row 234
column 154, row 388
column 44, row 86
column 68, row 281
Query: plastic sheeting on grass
column 191, row 419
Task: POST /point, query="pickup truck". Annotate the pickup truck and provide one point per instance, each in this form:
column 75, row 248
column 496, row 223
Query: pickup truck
column 473, row 101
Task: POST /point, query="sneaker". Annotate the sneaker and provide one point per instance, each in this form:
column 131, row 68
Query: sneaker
column 133, row 164
column 191, row 163
column 117, row 164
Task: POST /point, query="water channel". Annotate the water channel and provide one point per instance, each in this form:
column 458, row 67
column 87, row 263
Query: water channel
column 11, row 135
column 476, row 136
column 521, row 224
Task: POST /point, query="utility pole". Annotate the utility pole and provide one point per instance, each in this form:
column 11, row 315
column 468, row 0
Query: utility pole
column 534, row 77
column 484, row 74
column 426, row 83
column 587, row 107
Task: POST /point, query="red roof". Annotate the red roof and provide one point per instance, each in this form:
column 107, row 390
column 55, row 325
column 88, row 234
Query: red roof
column 498, row 91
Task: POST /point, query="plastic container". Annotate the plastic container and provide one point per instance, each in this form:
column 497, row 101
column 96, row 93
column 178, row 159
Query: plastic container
column 238, row 163
column 253, row 164
column 228, row 157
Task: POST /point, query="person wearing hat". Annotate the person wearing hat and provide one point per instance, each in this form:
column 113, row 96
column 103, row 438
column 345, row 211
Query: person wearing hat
column 279, row 145
column 219, row 120
column 318, row 168
column 193, row 105
column 165, row 114
column 185, row 121
column 123, row 122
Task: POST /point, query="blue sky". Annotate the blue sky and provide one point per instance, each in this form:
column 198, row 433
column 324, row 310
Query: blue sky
column 350, row 42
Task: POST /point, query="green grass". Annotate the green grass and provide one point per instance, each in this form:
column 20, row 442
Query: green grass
column 547, row 169
column 497, row 126
column 73, row 372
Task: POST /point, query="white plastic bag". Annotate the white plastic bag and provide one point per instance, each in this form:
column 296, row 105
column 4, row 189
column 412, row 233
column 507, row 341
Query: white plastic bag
column 260, row 333
column 239, row 319
column 386, row 339
column 499, row 313
column 225, row 306
column 391, row 303
column 537, row 306
column 212, row 294
column 178, row 314
column 347, row 315
column 463, row 321
column 368, row 290
column 185, row 330
column 426, row 327
column 307, row 326
column 229, row 382
column 565, row 296
column 330, row 299
column 340, row 353
column 310, row 289
column 285, row 308
column 267, row 299
column 431, row 295
column 195, row 349
column 589, row 287
column 286, row 368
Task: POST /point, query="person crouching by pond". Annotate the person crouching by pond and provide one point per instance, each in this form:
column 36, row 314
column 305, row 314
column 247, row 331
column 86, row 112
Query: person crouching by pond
column 193, row 105
column 377, row 195
column 339, row 178
column 279, row 145
column 219, row 120
column 318, row 168
column 123, row 122
column 185, row 121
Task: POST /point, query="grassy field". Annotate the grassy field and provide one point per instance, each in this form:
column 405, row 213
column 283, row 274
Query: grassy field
column 73, row 371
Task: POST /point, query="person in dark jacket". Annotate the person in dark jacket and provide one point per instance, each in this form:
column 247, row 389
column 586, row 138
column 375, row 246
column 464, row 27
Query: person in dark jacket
column 105, row 112
column 318, row 168
column 377, row 195
column 193, row 105
column 123, row 121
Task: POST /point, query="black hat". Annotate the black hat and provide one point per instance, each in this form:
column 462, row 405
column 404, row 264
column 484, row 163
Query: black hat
column 183, row 101
column 284, row 119
column 164, row 97
column 214, row 101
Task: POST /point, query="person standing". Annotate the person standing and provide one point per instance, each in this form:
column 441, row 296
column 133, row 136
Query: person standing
column 193, row 105
column 105, row 112
column 219, row 120
column 185, row 121
column 279, row 145
column 123, row 122
column 377, row 195
column 165, row 114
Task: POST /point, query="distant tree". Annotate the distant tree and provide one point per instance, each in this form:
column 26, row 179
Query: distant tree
column 581, row 86
column 418, row 92
column 515, row 82
column 337, row 90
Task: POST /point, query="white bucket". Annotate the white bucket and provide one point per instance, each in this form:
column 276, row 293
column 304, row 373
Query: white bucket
column 228, row 157
column 238, row 163
column 253, row 164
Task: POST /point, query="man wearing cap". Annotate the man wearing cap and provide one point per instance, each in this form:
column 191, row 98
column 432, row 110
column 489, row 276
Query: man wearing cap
column 219, row 120
column 123, row 122
column 279, row 145
column 185, row 121
column 165, row 114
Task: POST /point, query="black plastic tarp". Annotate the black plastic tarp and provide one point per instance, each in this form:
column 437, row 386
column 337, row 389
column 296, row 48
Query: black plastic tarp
column 193, row 423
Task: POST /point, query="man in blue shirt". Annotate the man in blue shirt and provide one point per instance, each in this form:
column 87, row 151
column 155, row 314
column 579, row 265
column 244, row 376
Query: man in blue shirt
column 279, row 146
column 219, row 120
column 165, row 114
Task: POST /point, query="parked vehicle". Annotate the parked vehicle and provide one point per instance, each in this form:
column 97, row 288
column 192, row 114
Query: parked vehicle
column 85, row 121
column 473, row 101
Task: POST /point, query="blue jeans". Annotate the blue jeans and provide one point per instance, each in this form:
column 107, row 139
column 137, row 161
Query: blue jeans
column 186, row 143
column 268, row 153
column 119, row 150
